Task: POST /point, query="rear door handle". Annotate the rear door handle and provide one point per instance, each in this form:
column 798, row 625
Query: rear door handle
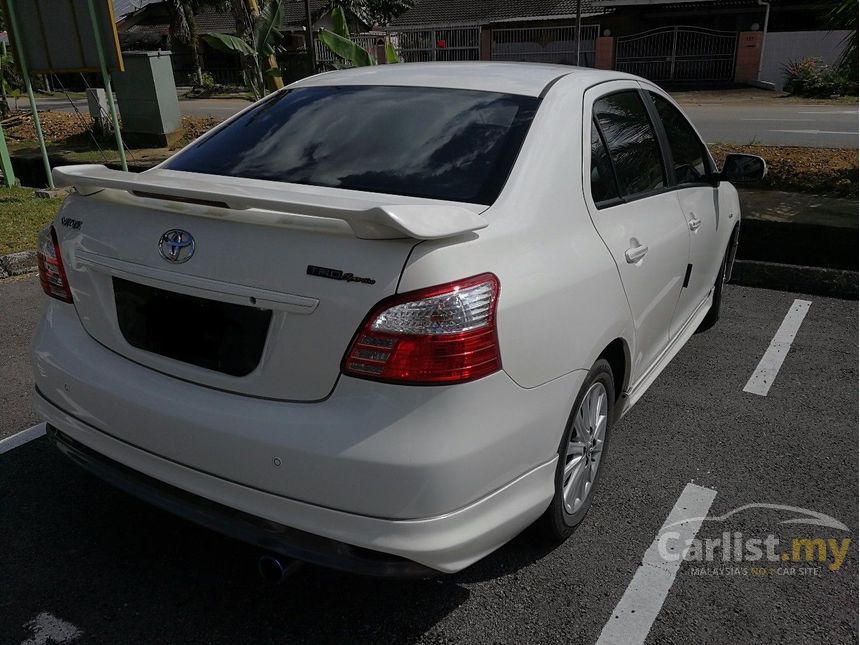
column 695, row 223
column 633, row 255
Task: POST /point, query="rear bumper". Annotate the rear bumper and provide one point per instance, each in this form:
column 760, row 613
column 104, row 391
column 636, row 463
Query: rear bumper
column 446, row 543
column 267, row 535
column 439, row 476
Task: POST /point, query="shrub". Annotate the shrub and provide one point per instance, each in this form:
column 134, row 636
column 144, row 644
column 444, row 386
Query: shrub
column 206, row 81
column 812, row 78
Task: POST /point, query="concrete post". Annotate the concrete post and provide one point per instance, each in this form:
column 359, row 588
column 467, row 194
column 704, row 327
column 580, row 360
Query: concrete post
column 604, row 53
column 748, row 56
column 486, row 43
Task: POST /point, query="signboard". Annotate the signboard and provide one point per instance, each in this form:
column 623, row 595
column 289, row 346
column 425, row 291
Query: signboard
column 57, row 35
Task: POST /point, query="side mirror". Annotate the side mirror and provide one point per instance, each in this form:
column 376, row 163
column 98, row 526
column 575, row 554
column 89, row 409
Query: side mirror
column 743, row 168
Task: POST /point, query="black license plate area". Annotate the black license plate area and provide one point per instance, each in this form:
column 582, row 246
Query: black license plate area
column 219, row 336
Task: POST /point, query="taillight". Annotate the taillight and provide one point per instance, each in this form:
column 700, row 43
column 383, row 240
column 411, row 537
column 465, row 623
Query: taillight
column 52, row 274
column 440, row 335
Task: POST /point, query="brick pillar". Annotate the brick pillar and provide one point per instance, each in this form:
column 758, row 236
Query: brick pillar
column 604, row 54
column 486, row 43
column 748, row 56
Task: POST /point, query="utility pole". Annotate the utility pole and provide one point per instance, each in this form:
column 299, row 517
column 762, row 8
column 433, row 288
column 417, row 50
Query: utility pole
column 578, row 28
column 309, row 37
column 273, row 82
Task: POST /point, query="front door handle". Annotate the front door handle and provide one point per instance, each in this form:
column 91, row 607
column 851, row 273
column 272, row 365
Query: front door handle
column 636, row 253
column 695, row 223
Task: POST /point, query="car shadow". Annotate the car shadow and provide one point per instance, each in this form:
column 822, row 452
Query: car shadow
column 122, row 571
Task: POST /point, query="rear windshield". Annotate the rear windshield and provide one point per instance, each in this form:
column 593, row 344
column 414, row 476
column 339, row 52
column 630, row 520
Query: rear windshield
column 448, row 144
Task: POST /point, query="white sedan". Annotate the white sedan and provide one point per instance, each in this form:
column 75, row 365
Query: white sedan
column 385, row 319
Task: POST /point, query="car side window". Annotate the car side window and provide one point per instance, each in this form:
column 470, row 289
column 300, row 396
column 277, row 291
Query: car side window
column 688, row 152
column 632, row 142
column 603, row 186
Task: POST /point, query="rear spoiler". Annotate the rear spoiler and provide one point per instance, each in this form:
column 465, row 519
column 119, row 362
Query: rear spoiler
column 368, row 220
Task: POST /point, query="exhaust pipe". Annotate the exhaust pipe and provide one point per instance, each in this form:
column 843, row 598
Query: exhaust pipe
column 274, row 569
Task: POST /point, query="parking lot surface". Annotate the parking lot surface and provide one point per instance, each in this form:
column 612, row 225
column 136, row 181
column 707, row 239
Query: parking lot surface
column 85, row 562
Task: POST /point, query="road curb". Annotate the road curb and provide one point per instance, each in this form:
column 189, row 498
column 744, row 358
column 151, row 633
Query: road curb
column 17, row 263
column 835, row 283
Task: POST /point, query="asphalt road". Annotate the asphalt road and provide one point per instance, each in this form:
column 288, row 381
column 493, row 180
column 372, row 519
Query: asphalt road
column 78, row 556
column 824, row 126
column 833, row 126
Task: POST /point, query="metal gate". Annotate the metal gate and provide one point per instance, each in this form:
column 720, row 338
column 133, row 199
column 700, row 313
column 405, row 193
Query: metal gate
column 678, row 54
column 546, row 44
column 437, row 44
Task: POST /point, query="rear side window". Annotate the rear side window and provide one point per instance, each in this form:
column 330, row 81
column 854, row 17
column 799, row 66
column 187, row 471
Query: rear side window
column 603, row 186
column 447, row 144
column 632, row 143
column 688, row 153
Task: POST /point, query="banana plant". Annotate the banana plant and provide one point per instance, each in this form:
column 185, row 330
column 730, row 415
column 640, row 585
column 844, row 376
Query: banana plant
column 265, row 38
column 341, row 44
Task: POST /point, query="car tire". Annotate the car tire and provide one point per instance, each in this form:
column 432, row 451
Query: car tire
column 596, row 399
column 713, row 314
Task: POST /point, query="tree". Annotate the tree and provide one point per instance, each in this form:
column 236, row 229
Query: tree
column 183, row 27
column 843, row 15
column 378, row 12
column 265, row 37
column 340, row 42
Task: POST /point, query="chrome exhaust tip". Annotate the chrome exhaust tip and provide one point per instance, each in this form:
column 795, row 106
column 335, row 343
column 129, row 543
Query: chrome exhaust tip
column 274, row 569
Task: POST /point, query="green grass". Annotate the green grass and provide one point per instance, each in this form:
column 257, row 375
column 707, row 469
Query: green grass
column 22, row 216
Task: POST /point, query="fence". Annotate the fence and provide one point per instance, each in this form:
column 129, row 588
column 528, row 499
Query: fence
column 546, row 44
column 787, row 46
column 678, row 53
column 438, row 44
column 367, row 42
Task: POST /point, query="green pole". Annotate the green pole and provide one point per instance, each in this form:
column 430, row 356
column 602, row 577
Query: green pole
column 22, row 62
column 5, row 161
column 106, row 78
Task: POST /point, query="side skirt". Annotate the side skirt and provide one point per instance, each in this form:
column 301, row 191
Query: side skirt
column 635, row 391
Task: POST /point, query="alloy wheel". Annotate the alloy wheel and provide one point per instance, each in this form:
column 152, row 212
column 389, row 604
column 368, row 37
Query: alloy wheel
column 585, row 448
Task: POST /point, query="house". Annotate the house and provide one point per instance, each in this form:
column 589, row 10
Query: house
column 147, row 27
column 686, row 42
column 526, row 30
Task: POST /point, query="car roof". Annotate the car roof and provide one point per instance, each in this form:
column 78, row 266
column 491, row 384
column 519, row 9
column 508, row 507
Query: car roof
column 529, row 79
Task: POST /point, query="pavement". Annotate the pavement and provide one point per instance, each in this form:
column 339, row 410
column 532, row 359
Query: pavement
column 218, row 108
column 735, row 120
column 85, row 563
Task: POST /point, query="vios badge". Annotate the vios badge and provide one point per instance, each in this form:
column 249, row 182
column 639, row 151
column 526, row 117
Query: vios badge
column 176, row 246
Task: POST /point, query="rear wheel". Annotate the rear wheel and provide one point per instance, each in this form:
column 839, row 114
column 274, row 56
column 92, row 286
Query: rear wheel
column 581, row 453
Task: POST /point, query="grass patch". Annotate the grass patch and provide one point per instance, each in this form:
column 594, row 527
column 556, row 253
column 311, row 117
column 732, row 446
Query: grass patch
column 22, row 216
column 822, row 171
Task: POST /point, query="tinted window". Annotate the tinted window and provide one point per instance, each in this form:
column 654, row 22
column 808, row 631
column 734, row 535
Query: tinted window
column 631, row 141
column 688, row 155
column 603, row 187
column 439, row 143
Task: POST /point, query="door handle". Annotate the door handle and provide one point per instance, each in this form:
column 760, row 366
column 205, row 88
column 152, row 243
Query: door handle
column 695, row 223
column 636, row 253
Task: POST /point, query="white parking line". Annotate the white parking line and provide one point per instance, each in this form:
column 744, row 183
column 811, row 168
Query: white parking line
column 21, row 438
column 638, row 608
column 768, row 366
column 815, row 131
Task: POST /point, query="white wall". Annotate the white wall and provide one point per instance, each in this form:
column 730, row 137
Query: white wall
column 783, row 47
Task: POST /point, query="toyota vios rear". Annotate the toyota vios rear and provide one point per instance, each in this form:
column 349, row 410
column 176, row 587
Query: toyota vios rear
column 367, row 322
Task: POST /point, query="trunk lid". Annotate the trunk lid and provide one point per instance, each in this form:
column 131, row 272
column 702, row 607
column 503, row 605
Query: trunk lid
column 273, row 290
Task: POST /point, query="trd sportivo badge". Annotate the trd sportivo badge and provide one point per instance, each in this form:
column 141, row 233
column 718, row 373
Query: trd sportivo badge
column 337, row 274
column 176, row 246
